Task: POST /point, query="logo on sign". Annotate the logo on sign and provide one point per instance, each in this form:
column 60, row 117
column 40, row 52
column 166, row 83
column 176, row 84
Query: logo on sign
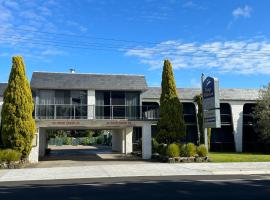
column 208, row 88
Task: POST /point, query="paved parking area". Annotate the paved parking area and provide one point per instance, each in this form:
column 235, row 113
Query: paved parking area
column 68, row 156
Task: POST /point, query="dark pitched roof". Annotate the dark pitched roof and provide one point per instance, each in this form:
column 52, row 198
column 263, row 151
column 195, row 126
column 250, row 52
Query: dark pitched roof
column 3, row 86
column 46, row 80
column 189, row 93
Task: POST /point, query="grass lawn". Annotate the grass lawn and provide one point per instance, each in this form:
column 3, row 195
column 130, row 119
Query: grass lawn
column 239, row 157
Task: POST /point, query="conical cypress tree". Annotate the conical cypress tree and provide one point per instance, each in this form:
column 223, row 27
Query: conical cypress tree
column 18, row 125
column 171, row 126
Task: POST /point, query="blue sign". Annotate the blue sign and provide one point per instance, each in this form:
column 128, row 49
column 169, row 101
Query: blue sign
column 211, row 105
column 208, row 88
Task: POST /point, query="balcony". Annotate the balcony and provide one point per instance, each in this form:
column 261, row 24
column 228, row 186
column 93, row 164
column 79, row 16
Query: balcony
column 94, row 112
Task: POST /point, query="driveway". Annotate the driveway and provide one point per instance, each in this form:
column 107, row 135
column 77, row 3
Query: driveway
column 68, row 156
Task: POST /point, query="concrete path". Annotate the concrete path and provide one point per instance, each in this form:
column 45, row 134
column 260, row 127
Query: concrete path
column 133, row 169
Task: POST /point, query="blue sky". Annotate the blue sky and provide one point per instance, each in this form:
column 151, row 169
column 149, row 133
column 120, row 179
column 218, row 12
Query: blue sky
column 228, row 39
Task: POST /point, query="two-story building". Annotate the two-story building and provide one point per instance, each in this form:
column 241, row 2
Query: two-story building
column 125, row 105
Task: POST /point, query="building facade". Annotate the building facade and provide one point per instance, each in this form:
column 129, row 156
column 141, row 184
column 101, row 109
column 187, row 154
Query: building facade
column 125, row 105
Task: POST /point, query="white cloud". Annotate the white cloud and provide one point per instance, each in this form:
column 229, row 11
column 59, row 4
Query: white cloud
column 52, row 52
column 242, row 57
column 242, row 12
column 22, row 23
column 193, row 5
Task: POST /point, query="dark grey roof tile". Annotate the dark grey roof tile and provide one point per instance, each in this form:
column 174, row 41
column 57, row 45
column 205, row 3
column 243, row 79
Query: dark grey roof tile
column 45, row 80
column 189, row 93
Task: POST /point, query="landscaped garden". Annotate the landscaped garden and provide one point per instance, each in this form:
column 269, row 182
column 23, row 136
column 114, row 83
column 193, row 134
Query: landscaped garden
column 177, row 152
column 170, row 145
column 83, row 137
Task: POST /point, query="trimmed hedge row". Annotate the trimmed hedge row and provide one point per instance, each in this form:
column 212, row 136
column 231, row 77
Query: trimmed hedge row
column 59, row 141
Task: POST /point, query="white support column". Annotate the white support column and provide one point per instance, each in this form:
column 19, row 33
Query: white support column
column 146, row 141
column 34, row 153
column 91, row 101
column 42, row 142
column 118, row 140
column 141, row 108
column 237, row 119
column 197, row 122
column 128, row 135
column 123, row 140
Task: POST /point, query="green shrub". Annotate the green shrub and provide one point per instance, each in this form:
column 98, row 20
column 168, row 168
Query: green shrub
column 183, row 151
column 191, row 149
column 202, row 151
column 155, row 146
column 162, row 149
column 99, row 140
column 188, row 150
column 179, row 145
column 9, row 155
column 85, row 141
column 68, row 141
column 173, row 150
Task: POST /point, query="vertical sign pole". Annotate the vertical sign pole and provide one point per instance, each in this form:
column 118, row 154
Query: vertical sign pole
column 204, row 128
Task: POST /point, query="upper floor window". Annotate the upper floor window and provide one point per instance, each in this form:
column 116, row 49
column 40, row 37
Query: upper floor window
column 47, row 97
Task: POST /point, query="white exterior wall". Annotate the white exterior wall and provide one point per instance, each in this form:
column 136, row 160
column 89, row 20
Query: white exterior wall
column 146, row 141
column 237, row 120
column 118, row 141
column 128, row 140
column 91, row 101
column 34, row 154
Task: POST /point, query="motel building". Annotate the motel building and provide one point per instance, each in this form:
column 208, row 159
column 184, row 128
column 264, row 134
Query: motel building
column 129, row 109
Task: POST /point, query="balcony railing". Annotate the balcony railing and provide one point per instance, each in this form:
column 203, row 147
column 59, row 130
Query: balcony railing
column 109, row 112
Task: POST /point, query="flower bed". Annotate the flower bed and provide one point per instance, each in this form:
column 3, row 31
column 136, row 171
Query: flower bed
column 193, row 159
column 13, row 164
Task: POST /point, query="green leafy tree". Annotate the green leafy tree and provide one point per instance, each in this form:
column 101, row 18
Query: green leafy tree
column 171, row 126
column 209, row 130
column 198, row 100
column 262, row 115
column 18, row 125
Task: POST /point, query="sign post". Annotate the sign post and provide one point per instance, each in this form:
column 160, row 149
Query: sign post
column 211, row 105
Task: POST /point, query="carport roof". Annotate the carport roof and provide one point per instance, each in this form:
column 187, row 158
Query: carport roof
column 190, row 93
column 72, row 81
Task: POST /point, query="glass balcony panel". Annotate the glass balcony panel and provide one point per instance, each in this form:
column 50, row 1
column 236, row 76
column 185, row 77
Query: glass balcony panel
column 45, row 111
column 118, row 112
column 63, row 111
column 70, row 111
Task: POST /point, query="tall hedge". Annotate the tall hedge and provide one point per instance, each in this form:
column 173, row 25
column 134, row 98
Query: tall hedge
column 261, row 114
column 171, row 126
column 18, row 125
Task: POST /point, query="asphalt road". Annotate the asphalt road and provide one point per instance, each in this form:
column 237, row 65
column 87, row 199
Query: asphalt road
column 180, row 187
